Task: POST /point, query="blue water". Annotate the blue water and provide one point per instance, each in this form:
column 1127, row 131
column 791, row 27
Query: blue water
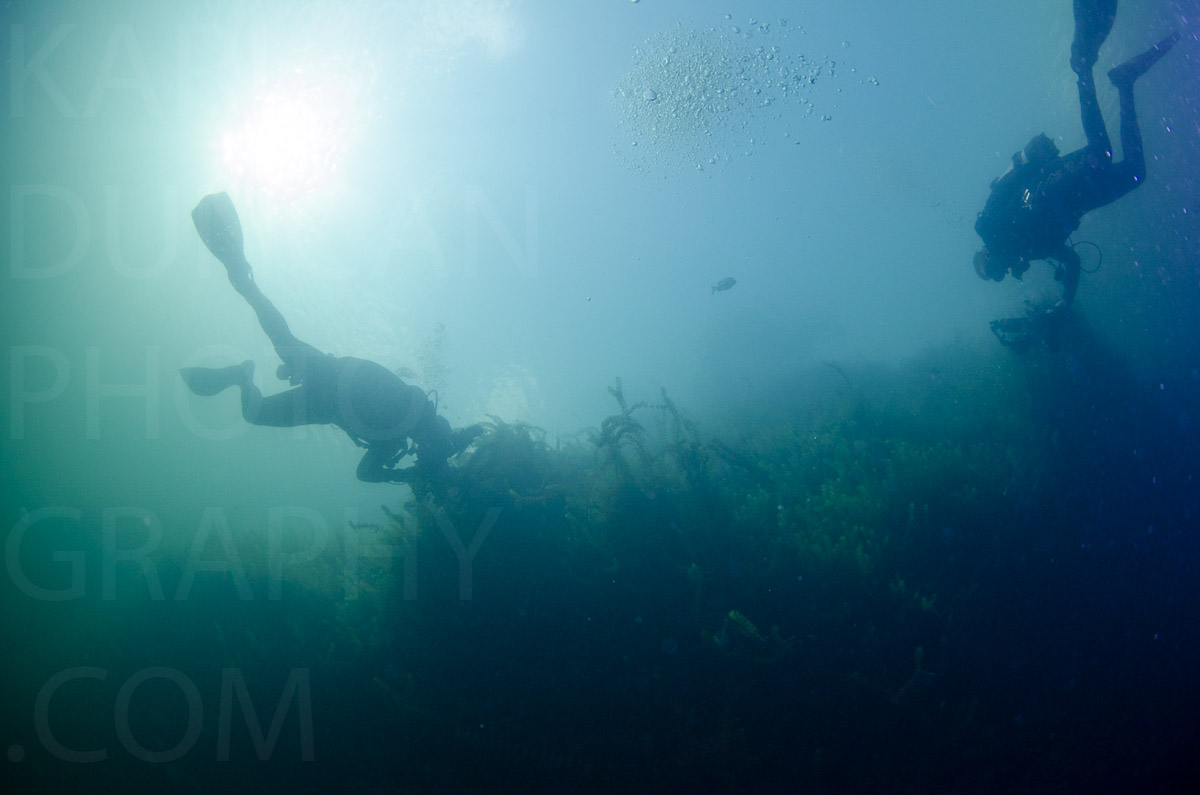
column 818, row 531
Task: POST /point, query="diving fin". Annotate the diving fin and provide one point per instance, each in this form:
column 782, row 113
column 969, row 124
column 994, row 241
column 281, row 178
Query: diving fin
column 1127, row 73
column 209, row 381
column 1093, row 22
column 217, row 223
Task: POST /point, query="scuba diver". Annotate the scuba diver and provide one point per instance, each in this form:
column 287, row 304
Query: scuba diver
column 375, row 408
column 1034, row 208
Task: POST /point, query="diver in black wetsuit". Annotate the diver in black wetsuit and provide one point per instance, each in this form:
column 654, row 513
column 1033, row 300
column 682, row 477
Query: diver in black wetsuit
column 366, row 400
column 1034, row 208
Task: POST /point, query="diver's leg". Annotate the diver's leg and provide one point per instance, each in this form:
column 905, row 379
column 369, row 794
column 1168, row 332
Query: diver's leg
column 1099, row 144
column 216, row 221
column 1126, row 175
column 1133, row 159
column 276, row 411
column 1120, row 178
column 1093, row 21
column 283, row 410
column 290, row 349
column 209, row 381
column 1128, row 72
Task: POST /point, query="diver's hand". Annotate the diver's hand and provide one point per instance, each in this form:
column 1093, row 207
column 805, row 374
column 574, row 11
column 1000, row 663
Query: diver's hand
column 1057, row 310
column 461, row 439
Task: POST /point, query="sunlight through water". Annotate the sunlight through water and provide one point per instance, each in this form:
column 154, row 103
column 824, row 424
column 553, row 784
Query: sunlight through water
column 293, row 136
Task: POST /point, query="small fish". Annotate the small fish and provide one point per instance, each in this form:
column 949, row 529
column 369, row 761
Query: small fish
column 724, row 284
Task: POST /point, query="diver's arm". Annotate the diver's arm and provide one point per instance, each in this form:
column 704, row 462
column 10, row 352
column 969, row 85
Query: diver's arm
column 401, row 475
column 1070, row 273
column 375, row 466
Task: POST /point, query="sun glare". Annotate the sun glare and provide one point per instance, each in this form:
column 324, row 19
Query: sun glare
column 294, row 128
column 292, row 137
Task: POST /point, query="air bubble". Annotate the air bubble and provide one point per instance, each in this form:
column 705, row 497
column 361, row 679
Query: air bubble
column 691, row 93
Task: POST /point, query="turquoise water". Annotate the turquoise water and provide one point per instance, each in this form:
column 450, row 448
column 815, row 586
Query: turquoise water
column 818, row 531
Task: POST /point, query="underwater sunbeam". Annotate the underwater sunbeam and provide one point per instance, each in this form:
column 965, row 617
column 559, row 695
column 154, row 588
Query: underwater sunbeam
column 292, row 137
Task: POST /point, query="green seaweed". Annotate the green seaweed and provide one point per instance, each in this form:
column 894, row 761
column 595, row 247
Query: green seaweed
column 829, row 527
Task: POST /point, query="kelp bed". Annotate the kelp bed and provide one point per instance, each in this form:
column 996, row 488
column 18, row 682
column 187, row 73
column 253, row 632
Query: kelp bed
column 971, row 572
column 901, row 586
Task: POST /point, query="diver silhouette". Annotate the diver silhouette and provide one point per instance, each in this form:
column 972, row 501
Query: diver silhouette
column 1034, row 208
column 375, row 408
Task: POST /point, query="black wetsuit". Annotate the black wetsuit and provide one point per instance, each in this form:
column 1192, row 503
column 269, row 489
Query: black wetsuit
column 1034, row 208
column 366, row 400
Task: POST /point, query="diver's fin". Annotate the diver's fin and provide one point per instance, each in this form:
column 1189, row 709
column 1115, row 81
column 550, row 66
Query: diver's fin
column 208, row 381
column 217, row 222
column 1125, row 74
column 1093, row 22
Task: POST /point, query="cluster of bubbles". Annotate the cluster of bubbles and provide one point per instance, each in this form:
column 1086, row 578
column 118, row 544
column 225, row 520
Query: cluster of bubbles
column 703, row 96
column 512, row 391
column 432, row 359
